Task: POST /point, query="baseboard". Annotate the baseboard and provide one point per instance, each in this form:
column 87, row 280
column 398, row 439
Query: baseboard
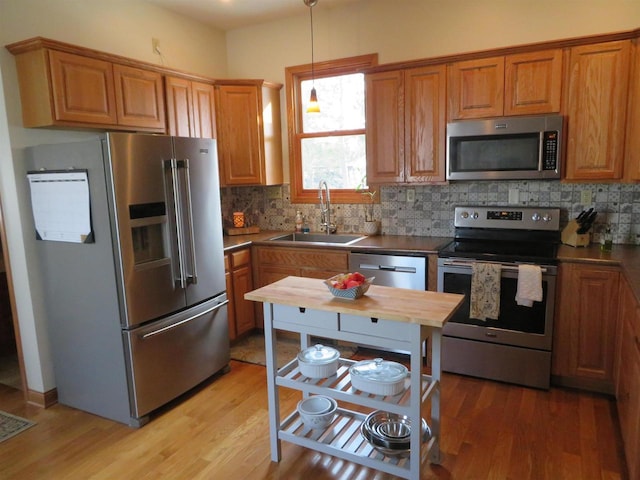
column 586, row 384
column 42, row 400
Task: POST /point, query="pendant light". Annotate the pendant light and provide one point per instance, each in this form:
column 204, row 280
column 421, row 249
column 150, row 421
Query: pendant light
column 314, row 106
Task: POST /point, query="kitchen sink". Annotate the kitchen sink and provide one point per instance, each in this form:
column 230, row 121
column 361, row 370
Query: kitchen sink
column 318, row 238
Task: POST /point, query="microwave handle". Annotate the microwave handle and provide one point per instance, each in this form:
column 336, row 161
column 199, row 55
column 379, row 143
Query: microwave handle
column 541, row 151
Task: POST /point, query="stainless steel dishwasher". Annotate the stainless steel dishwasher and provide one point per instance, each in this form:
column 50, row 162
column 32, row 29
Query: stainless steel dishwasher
column 391, row 270
column 401, row 271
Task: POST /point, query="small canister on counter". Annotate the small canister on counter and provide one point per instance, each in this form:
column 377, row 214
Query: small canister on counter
column 238, row 219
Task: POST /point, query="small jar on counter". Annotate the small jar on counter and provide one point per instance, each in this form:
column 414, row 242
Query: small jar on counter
column 299, row 221
column 606, row 244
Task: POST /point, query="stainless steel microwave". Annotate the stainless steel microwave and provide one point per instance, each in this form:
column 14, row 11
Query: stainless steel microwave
column 505, row 148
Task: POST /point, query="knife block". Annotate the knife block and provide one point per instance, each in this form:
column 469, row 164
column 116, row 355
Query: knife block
column 570, row 235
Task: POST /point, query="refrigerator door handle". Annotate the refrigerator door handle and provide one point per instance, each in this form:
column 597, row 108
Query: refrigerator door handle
column 181, row 280
column 182, row 322
column 194, row 272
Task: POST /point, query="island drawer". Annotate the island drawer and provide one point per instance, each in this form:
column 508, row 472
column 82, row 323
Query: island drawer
column 305, row 316
column 376, row 327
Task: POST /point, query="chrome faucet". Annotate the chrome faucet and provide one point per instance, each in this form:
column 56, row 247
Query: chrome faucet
column 325, row 209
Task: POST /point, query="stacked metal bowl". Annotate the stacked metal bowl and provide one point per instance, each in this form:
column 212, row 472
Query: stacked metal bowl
column 390, row 433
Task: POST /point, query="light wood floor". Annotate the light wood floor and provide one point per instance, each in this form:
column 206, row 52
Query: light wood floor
column 489, row 431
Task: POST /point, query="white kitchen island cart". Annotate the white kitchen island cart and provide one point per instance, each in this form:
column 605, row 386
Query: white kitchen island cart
column 386, row 318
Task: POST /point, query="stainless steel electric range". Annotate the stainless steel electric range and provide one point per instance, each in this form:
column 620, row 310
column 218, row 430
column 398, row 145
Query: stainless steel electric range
column 515, row 347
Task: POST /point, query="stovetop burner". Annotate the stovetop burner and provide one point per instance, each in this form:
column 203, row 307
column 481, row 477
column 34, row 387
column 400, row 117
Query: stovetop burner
column 498, row 234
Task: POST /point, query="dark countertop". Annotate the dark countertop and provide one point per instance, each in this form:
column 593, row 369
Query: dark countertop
column 394, row 244
column 625, row 257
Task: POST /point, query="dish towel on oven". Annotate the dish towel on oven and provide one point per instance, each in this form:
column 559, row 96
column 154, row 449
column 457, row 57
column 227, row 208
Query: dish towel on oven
column 485, row 291
column 529, row 285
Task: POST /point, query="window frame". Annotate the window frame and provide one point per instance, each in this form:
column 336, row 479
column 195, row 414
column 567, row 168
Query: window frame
column 293, row 77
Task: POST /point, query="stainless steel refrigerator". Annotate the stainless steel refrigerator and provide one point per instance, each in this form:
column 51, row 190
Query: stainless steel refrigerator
column 138, row 316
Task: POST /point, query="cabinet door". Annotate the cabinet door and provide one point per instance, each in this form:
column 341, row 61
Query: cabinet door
column 425, row 123
column 533, row 82
column 476, row 88
column 245, row 319
column 239, row 136
column 585, row 326
column 179, row 107
column 83, row 89
column 204, row 114
column 628, row 385
column 385, row 127
column 244, row 309
column 139, row 98
column 632, row 147
column 596, row 110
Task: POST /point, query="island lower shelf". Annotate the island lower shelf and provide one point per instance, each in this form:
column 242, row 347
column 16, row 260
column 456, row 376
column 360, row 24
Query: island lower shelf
column 343, row 439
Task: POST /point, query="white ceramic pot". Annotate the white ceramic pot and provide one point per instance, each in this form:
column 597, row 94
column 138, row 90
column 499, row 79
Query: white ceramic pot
column 371, row 227
column 378, row 376
column 318, row 361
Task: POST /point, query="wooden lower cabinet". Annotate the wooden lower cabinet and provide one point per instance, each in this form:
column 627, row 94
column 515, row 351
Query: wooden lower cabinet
column 628, row 378
column 239, row 277
column 584, row 337
column 275, row 263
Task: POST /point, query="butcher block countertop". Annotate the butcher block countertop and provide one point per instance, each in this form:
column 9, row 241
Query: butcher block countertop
column 412, row 306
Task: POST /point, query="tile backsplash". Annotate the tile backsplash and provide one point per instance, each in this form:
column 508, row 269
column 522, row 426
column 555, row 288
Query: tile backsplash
column 430, row 211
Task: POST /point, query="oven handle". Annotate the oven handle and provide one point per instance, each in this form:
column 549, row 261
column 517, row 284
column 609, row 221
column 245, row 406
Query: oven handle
column 509, row 268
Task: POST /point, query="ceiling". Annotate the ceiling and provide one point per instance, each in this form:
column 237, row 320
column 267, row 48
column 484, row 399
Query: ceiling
column 230, row 14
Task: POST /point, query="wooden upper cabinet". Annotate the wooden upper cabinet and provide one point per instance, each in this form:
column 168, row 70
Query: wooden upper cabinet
column 517, row 84
column 249, row 133
column 385, row 127
column 204, row 112
column 533, row 82
column 62, row 85
column 406, row 125
column 476, row 88
column 596, row 110
column 139, row 97
column 425, row 123
column 82, row 89
column 632, row 146
column 190, row 108
column 179, row 99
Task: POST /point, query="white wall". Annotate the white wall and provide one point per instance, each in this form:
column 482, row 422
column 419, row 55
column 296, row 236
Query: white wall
column 402, row 30
column 122, row 27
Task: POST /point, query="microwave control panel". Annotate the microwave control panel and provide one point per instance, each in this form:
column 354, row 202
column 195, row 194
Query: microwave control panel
column 550, row 150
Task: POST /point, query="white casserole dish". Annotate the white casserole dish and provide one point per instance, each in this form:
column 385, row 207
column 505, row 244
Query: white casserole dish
column 318, row 361
column 378, row 376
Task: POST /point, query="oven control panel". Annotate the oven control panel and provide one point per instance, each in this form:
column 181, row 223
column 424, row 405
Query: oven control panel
column 521, row 218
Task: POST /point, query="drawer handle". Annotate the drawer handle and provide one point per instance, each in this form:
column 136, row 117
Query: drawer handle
column 302, row 309
column 374, row 320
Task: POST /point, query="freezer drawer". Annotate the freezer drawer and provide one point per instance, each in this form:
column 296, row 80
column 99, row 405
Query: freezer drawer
column 170, row 356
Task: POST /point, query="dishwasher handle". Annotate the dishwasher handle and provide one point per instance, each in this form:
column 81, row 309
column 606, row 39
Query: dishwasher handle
column 387, row 268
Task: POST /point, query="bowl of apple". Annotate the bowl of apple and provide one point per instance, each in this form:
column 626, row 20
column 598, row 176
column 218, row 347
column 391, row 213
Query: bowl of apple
column 348, row 285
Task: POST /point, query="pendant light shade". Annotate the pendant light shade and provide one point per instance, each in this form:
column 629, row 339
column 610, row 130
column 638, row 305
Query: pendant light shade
column 313, row 106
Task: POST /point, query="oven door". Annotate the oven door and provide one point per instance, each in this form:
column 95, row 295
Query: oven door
column 528, row 327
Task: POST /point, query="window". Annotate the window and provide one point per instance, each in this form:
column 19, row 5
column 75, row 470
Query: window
column 329, row 145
